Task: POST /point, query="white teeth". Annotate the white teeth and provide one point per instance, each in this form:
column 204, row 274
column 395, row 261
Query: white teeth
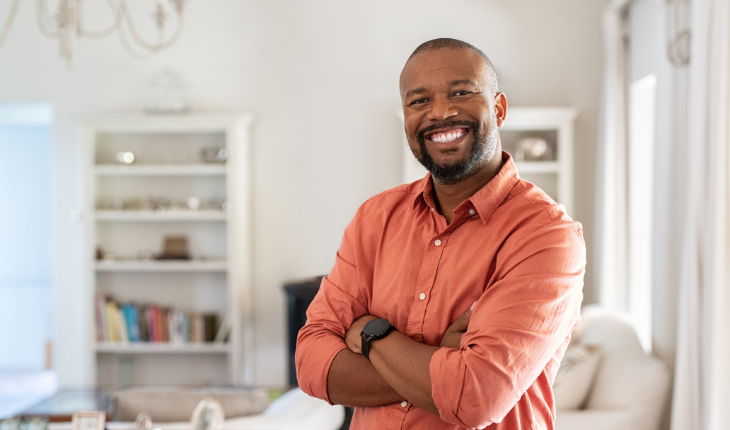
column 448, row 137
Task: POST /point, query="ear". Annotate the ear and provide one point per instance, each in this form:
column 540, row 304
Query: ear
column 500, row 108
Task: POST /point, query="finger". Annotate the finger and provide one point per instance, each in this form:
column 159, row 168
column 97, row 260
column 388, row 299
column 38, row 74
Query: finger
column 472, row 306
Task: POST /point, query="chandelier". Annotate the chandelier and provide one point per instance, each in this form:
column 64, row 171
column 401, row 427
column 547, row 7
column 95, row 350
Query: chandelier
column 67, row 23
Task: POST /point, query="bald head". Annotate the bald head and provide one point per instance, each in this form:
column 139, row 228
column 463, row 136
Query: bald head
column 447, row 43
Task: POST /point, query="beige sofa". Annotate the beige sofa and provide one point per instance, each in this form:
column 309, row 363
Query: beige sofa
column 629, row 388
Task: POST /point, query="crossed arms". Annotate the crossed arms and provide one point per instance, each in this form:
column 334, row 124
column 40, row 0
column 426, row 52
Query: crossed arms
column 486, row 361
column 398, row 368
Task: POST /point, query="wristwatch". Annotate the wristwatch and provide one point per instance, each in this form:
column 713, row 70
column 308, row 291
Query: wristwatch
column 374, row 330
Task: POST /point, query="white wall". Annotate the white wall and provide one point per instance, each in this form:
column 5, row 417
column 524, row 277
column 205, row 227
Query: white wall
column 322, row 78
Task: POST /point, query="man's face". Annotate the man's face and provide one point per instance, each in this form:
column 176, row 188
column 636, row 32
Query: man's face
column 450, row 113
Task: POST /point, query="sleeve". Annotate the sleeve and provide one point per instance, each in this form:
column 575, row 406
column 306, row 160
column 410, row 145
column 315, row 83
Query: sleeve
column 339, row 302
column 516, row 327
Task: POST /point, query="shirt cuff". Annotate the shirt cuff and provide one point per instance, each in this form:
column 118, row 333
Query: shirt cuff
column 315, row 366
column 447, row 371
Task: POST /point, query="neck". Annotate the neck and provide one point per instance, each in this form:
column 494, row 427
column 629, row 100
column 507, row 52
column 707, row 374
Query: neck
column 449, row 196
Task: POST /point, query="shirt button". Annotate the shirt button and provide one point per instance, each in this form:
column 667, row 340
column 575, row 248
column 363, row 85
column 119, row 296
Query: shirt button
column 472, row 211
column 404, row 403
column 422, row 296
column 437, row 242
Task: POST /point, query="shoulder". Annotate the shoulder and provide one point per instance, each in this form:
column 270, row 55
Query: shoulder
column 386, row 203
column 528, row 209
column 536, row 228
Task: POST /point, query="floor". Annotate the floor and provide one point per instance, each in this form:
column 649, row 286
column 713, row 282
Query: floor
column 20, row 390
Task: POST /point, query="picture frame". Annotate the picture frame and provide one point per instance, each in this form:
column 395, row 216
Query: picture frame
column 88, row 420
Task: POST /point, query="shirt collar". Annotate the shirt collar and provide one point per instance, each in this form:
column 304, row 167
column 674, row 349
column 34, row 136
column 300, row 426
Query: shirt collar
column 487, row 199
column 424, row 189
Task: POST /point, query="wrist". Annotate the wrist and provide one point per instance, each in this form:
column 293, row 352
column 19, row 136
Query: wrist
column 373, row 330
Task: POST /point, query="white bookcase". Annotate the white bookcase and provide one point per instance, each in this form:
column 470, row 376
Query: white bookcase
column 554, row 174
column 217, row 277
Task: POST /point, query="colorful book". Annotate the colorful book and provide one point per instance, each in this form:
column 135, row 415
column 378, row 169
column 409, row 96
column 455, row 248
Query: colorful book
column 111, row 317
column 100, row 313
column 128, row 310
column 121, row 324
column 131, row 322
column 152, row 323
column 165, row 325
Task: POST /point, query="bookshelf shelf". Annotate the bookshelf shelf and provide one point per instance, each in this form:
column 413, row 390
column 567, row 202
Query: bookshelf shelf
column 162, row 266
column 160, row 170
column 140, row 215
column 556, row 126
column 162, row 348
column 168, row 300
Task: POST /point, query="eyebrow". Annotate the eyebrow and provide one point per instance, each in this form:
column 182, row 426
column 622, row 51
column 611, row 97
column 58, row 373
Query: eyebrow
column 422, row 90
column 461, row 82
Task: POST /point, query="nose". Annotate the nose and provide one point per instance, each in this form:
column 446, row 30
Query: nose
column 441, row 109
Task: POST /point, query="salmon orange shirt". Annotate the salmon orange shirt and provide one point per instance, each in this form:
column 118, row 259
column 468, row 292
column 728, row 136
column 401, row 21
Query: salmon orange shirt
column 510, row 248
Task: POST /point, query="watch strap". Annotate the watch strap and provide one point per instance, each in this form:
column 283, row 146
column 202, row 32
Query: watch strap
column 365, row 347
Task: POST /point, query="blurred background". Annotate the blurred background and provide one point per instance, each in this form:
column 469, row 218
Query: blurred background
column 313, row 88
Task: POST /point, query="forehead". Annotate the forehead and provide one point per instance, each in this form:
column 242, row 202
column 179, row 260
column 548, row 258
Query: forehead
column 434, row 69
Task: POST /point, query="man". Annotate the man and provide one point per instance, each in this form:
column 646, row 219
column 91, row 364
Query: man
column 452, row 299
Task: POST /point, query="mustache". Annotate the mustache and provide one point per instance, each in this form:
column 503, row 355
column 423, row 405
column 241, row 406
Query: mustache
column 446, row 124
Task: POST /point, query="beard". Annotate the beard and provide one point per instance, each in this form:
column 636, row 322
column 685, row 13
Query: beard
column 482, row 149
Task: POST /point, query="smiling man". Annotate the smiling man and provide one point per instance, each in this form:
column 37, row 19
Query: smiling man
column 452, row 298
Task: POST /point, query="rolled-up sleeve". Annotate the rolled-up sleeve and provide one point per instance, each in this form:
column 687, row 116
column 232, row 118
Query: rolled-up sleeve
column 337, row 304
column 517, row 326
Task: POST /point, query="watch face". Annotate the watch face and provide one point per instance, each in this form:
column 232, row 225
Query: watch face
column 375, row 327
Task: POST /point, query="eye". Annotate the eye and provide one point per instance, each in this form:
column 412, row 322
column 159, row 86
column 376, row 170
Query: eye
column 462, row 93
column 417, row 102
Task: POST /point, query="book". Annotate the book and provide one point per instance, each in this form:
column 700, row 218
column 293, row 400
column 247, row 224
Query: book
column 112, row 335
column 101, row 321
column 120, row 324
column 210, row 327
column 165, row 325
column 128, row 311
column 133, row 322
column 144, row 334
column 152, row 324
column 159, row 336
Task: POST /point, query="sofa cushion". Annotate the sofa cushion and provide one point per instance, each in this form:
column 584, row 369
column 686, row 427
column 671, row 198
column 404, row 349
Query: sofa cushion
column 575, row 376
column 167, row 404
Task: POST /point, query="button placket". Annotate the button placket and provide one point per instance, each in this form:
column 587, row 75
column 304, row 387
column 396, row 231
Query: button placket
column 426, row 280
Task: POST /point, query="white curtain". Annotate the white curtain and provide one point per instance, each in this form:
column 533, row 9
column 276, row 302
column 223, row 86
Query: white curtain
column 702, row 384
column 611, row 229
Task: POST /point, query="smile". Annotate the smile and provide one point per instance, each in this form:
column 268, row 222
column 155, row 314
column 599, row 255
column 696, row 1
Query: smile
column 447, row 136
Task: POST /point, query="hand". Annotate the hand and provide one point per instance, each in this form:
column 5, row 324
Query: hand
column 352, row 337
column 452, row 337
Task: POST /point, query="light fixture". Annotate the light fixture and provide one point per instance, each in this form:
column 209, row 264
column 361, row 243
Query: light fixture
column 679, row 32
column 67, row 23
